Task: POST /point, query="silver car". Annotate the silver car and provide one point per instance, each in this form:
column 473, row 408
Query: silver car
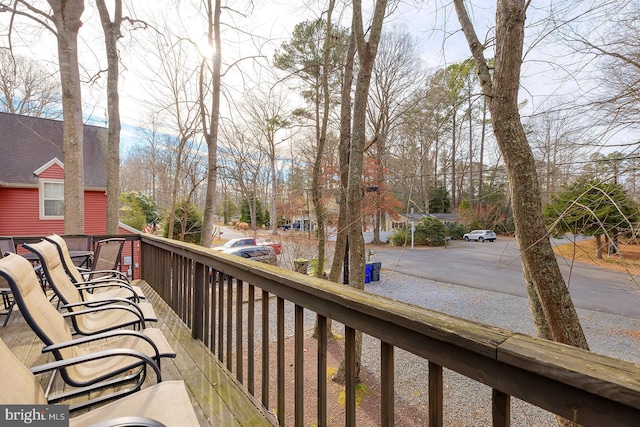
column 264, row 254
column 480, row 235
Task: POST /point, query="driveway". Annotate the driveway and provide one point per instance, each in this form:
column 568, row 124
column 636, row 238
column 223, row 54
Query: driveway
column 496, row 267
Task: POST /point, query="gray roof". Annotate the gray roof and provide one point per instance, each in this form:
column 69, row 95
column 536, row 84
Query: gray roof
column 28, row 143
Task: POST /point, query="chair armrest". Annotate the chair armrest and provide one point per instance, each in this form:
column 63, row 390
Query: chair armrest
column 97, row 284
column 103, row 335
column 115, row 274
column 105, row 279
column 128, row 422
column 103, row 354
column 103, row 307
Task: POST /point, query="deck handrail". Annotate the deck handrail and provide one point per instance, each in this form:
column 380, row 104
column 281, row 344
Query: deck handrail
column 199, row 284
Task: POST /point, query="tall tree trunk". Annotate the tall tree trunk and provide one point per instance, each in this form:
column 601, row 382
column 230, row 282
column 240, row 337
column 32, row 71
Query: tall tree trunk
column 472, row 200
column 344, row 151
column 211, row 134
column 367, row 51
column 553, row 311
column 111, row 35
column 453, row 160
column 274, row 190
column 381, row 142
column 481, row 159
column 66, row 17
column 316, row 189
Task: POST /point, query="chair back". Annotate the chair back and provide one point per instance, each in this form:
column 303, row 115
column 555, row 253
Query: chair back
column 78, row 242
column 55, row 273
column 67, row 262
column 81, row 243
column 43, row 318
column 7, row 245
column 107, row 256
column 21, row 386
column 47, row 323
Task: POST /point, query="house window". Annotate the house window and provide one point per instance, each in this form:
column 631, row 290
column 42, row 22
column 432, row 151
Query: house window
column 51, row 199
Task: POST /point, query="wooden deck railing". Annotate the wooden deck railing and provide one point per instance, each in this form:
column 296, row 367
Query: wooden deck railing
column 226, row 303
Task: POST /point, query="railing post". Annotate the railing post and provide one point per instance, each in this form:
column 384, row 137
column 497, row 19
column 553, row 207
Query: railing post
column 350, row 375
column 229, row 334
column 322, row 370
column 197, row 331
column 435, row 395
column 299, row 366
column 500, row 408
column 239, row 329
column 265, row 349
column 387, row 384
column 280, row 359
column 221, row 279
column 251, row 330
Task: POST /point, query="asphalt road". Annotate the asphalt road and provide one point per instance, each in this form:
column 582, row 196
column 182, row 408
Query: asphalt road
column 496, row 267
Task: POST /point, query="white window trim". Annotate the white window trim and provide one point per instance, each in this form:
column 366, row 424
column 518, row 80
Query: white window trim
column 41, row 183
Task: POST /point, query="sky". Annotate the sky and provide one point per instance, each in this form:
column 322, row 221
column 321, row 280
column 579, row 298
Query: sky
column 433, row 24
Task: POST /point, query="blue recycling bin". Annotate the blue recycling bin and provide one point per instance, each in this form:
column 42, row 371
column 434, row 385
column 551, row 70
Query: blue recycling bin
column 367, row 272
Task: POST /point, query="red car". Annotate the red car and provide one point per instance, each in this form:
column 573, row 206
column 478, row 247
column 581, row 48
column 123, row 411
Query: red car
column 277, row 247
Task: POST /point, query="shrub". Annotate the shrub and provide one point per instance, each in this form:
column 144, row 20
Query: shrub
column 188, row 213
column 429, row 231
column 456, row 231
column 400, row 236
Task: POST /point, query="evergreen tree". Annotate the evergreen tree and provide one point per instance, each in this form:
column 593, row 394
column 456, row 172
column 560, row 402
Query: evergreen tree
column 591, row 207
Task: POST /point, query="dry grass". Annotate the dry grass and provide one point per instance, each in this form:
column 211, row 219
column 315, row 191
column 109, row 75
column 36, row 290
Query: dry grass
column 628, row 258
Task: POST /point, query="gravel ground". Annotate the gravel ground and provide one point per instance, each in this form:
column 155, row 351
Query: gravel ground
column 466, row 402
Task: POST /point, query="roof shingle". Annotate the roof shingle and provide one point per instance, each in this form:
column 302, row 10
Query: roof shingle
column 28, row 143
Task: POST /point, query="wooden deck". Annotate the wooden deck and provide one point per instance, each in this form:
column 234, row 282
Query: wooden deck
column 218, row 399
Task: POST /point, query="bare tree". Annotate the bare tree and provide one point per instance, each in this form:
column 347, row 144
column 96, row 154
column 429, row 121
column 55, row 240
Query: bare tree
column 555, row 144
column 112, row 34
column 175, row 92
column 268, row 117
column 27, row 87
column 63, row 20
column 553, row 311
column 314, row 54
column 243, row 165
column 210, row 128
column 366, row 53
column 395, row 78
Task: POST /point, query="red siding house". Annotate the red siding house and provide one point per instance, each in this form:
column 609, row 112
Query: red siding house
column 32, row 177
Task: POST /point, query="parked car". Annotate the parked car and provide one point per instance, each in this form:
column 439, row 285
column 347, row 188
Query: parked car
column 265, row 241
column 260, row 253
column 233, row 243
column 480, row 235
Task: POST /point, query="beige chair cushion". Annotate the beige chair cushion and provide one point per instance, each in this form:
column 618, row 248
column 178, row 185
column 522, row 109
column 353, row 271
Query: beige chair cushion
column 167, row 402
column 19, row 384
column 51, row 327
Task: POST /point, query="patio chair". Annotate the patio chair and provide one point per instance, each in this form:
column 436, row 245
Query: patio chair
column 107, row 260
column 78, row 278
column 80, row 243
column 165, row 403
column 89, row 312
column 52, row 329
column 6, row 245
